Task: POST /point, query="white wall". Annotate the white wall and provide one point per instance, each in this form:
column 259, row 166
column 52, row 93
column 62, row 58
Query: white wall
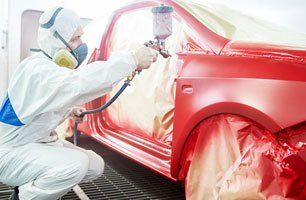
column 3, row 48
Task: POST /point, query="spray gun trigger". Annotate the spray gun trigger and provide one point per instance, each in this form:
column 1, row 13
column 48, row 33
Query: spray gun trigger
column 158, row 48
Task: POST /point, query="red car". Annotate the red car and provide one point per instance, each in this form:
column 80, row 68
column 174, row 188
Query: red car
column 227, row 117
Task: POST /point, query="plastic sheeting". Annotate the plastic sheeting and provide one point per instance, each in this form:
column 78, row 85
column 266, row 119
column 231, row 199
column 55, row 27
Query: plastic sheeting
column 230, row 157
column 147, row 106
column 235, row 25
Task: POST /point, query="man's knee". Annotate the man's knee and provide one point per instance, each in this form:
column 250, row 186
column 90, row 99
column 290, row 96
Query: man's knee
column 101, row 166
column 97, row 165
column 80, row 167
column 74, row 168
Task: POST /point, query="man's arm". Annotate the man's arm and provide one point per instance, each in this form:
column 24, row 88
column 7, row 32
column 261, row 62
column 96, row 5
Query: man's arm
column 47, row 87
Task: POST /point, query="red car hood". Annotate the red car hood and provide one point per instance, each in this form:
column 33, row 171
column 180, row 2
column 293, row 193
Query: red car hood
column 279, row 52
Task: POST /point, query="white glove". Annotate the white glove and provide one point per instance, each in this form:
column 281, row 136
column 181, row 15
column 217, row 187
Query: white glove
column 144, row 57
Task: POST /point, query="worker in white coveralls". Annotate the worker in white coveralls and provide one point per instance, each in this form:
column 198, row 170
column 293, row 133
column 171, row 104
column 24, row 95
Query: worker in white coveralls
column 41, row 94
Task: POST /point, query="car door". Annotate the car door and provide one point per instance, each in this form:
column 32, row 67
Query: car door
column 146, row 108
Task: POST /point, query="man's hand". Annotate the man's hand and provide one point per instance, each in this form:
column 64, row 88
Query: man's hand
column 144, row 57
column 76, row 112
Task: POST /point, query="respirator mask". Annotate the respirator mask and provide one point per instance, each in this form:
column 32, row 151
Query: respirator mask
column 70, row 59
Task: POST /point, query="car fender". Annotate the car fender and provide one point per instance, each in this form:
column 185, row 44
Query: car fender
column 258, row 89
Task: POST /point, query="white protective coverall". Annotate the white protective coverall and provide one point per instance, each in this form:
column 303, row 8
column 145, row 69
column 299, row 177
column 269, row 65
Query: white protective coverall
column 39, row 97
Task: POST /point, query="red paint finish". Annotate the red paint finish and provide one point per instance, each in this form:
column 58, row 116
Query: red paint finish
column 276, row 52
column 264, row 101
column 261, row 82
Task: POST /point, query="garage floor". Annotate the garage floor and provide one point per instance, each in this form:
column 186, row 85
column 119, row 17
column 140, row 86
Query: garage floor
column 122, row 179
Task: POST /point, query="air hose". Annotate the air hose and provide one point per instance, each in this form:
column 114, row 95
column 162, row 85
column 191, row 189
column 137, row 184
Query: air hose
column 103, row 107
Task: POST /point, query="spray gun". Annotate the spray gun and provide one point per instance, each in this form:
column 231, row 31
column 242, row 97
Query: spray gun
column 162, row 29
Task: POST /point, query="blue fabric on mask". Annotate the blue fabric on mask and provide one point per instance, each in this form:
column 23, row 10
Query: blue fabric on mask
column 81, row 53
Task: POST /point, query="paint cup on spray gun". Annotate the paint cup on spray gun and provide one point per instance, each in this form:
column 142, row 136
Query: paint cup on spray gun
column 162, row 28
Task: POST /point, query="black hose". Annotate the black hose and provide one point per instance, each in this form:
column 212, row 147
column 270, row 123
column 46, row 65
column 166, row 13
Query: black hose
column 75, row 127
column 150, row 44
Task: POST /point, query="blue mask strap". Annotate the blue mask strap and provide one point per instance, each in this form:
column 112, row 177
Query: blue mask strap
column 57, row 35
column 40, row 50
column 50, row 23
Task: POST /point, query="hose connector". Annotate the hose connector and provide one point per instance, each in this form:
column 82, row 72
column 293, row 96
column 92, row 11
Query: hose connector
column 131, row 77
